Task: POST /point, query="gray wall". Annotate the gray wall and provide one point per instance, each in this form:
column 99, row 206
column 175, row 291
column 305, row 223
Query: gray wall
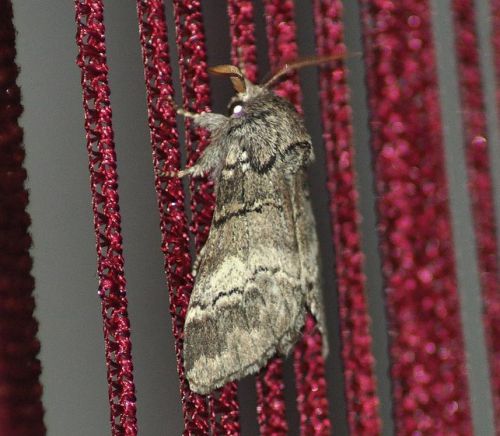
column 75, row 390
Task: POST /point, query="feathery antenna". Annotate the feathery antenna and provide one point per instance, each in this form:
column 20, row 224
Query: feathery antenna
column 301, row 63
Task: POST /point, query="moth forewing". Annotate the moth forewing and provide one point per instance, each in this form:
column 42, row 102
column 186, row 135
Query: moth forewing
column 257, row 275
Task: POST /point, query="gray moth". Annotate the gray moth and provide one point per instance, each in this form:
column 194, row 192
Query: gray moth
column 258, row 272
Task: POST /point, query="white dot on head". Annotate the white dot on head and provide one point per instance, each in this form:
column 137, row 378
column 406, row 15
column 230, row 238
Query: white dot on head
column 237, row 109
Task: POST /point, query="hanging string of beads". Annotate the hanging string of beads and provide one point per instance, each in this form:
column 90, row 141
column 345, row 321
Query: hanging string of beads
column 430, row 392
column 269, row 383
column 21, row 410
column 495, row 42
column 360, row 386
column 170, row 195
column 309, row 365
column 223, row 404
column 242, row 29
column 91, row 59
column 480, row 181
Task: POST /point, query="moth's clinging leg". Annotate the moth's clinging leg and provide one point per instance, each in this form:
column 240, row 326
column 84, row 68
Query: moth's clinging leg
column 192, row 170
column 211, row 156
column 197, row 261
column 187, row 114
column 178, row 174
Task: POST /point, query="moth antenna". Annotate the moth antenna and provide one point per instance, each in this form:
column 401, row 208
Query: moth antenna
column 301, row 63
column 241, row 62
column 234, row 73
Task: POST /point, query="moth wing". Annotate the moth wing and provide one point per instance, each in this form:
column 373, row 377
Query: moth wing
column 247, row 302
column 307, row 239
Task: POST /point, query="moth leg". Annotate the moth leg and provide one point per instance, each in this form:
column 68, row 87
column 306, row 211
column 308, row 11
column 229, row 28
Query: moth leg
column 195, row 171
column 175, row 174
column 187, row 114
column 209, row 120
column 197, row 261
column 212, row 156
column 199, row 169
column 181, row 111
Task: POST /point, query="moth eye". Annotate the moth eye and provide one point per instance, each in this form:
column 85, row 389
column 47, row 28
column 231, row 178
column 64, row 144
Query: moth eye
column 236, row 108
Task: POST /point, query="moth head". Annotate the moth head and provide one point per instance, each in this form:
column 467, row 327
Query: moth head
column 245, row 90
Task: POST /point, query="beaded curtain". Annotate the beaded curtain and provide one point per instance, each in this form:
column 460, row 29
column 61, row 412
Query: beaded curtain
column 430, row 392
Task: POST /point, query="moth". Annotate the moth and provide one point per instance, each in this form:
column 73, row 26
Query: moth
column 258, row 272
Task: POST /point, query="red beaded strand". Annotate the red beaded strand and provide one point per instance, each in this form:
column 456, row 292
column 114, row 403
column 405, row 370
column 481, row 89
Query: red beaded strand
column 102, row 165
column 430, row 389
column 309, row 365
column 21, row 410
column 270, row 396
column 495, row 41
column 196, row 98
column 170, row 195
column 309, row 368
column 243, row 50
column 281, row 37
column 271, row 400
column 480, row 182
column 242, row 28
column 269, row 382
column 360, row 384
column 223, row 403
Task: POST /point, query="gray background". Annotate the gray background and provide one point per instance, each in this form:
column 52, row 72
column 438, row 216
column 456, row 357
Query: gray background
column 75, row 390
